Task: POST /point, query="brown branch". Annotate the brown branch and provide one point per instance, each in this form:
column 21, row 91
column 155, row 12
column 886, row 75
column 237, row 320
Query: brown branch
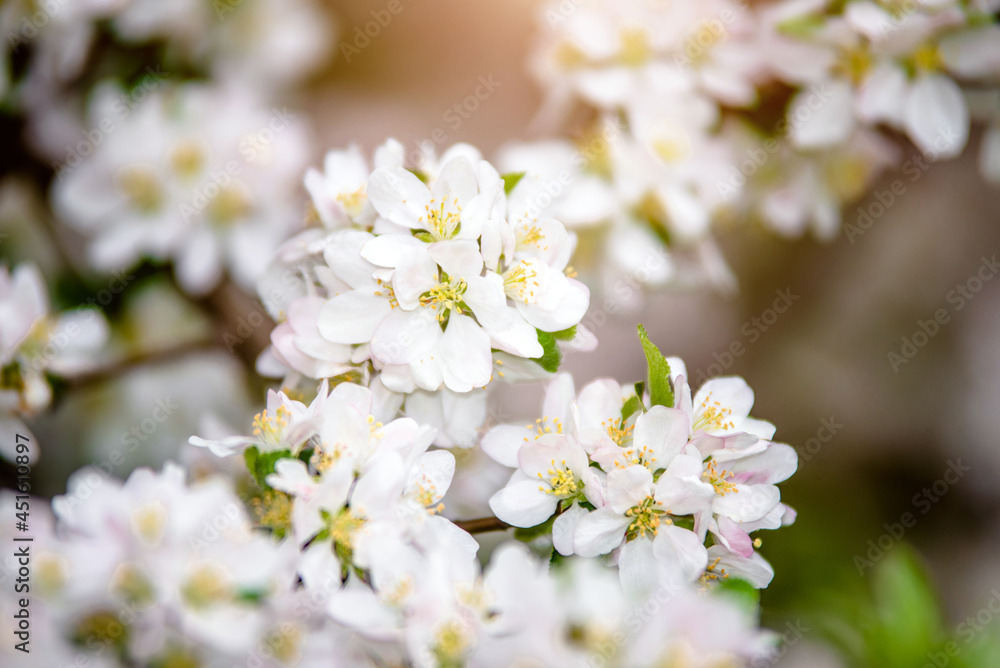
column 482, row 525
column 242, row 324
column 128, row 364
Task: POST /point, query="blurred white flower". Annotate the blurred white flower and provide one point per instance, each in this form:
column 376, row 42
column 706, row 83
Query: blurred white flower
column 200, row 176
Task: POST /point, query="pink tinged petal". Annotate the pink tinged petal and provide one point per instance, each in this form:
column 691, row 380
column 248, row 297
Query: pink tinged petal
column 789, row 516
column 637, row 566
column 989, row 154
column 747, row 503
column 503, row 442
column 198, row 263
column 359, row 608
column 664, row 431
column 683, row 496
column 397, row 378
column 220, row 448
column 599, row 532
column 465, row 348
column 435, row 471
column 391, row 250
column 353, row 395
column 566, row 449
column 569, row 310
column 390, row 153
column 485, row 296
column 404, row 336
column 460, row 258
column 729, row 393
column 599, row 401
column 353, row 316
column 972, row 53
column 628, row 487
column 881, row 98
column 736, row 539
column 413, row 276
column 754, row 570
column 759, row 428
column 680, row 551
column 770, row 521
column 342, row 252
column 399, row 196
column 594, row 487
column 776, row 463
column 536, row 457
column 402, row 435
column 344, row 424
column 517, row 337
column 822, row 116
column 559, row 395
column 564, row 529
column 457, row 180
column 428, row 371
column 936, row 116
column 523, row 504
column 869, row 19
column 379, row 488
column 316, row 564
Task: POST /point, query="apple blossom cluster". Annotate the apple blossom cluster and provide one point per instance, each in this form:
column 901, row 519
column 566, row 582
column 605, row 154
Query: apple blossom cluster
column 359, row 493
column 205, row 177
column 704, row 114
column 647, row 475
column 159, row 571
column 425, row 283
column 34, row 342
column 269, row 44
column 163, row 125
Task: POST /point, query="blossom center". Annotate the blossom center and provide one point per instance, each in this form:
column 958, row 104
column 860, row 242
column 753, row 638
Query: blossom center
column 519, row 282
column 542, row 427
column 855, row 64
column 353, row 202
column 646, row 518
column 444, row 297
column 927, row 59
column 718, row 479
column 207, row 585
column 344, row 525
column 531, row 235
column 141, row 187
column 187, row 158
column 712, row 415
column 443, row 224
column 451, row 642
column 270, row 427
column 149, row 521
column 562, row 482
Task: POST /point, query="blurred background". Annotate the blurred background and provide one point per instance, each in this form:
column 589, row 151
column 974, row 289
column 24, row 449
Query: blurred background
column 878, row 437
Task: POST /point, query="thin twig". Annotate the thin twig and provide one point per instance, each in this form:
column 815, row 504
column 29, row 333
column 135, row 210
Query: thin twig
column 482, row 525
column 128, row 364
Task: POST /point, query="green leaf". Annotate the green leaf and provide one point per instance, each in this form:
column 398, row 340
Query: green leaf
column 742, row 593
column 661, row 392
column 910, row 623
column 510, row 180
column 251, row 595
column 527, row 535
column 565, row 334
column 633, row 405
column 802, row 27
column 261, row 464
column 250, row 459
column 551, row 356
